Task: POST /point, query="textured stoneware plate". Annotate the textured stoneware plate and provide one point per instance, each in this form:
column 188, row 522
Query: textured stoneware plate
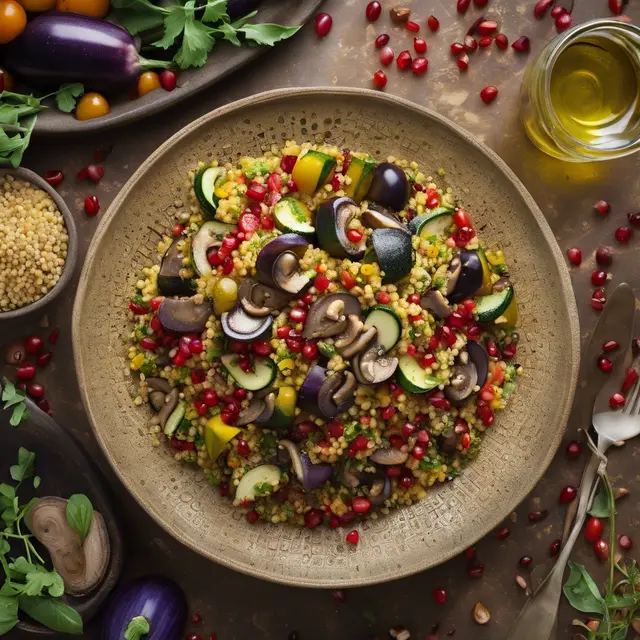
column 516, row 450
column 224, row 59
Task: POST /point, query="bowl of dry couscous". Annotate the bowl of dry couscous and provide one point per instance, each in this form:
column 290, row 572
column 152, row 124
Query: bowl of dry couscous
column 38, row 243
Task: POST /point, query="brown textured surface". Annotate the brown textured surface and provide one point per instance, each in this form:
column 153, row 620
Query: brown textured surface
column 516, row 450
column 238, row 607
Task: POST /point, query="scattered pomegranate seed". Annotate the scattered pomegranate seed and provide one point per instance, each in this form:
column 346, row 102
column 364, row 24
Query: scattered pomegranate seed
column 604, row 364
column 568, row 494
column 53, row 176
column 522, row 44
column 487, row 28
column 387, row 55
column 95, row 173
column 604, row 256
column 177, row 230
column 91, row 205
column 419, row 67
column 489, row 94
column 463, row 62
column 602, row 207
column 610, row 345
column 502, row 42
column 470, row 44
column 353, row 537
column 616, row 401
column 573, row 449
column 537, row 516
column 404, row 59
column 360, row 505
column 625, row 542
column 35, row 390
column 381, row 41
column 53, row 336
column 593, row 529
column 541, row 8
column 380, row 79
column 598, row 277
column 440, row 596
column 82, row 174
column 44, row 359
column 414, row 27
column 476, row 570
column 26, row 372
column 373, row 11
column 554, row 547
column 194, row 636
column 575, row 255
column 598, row 300
column 526, row 561
column 168, row 80
column 324, row 22
column 563, row 22
column 313, row 518
column 457, row 48
column 521, row 582
column 420, row 45
column 634, row 219
column 470, row 553
column 623, row 234
column 338, row 595
column 601, row 549
column 433, row 23
column 503, row 533
column 33, row 344
column 485, row 42
column 556, row 12
column 630, row 378
column 616, row 7
column 196, row 618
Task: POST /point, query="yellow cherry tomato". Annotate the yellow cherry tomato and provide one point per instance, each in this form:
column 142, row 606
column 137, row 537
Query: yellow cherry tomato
column 13, row 20
column 147, row 82
column 93, row 8
column 92, row 105
column 38, row 5
column 6, row 80
column 225, row 295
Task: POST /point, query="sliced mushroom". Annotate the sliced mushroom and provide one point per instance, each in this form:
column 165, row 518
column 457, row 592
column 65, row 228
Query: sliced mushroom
column 373, row 365
column 335, row 311
column 328, row 315
column 261, row 295
column 239, row 325
column 156, row 399
column 253, row 310
column 480, row 358
column 82, row 565
column 380, row 491
column 267, row 412
column 354, row 326
column 377, row 217
column 170, row 403
column 449, row 440
column 312, row 476
column 502, row 284
column 436, row 303
column 347, row 478
column 464, row 379
column 252, row 412
column 345, row 393
column 389, row 456
column 158, row 384
column 453, row 273
column 287, row 274
column 359, row 343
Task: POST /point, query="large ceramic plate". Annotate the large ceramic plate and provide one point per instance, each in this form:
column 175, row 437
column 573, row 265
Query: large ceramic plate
column 517, row 449
column 224, row 59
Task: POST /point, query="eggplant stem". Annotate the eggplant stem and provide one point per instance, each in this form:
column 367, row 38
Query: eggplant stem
column 155, row 64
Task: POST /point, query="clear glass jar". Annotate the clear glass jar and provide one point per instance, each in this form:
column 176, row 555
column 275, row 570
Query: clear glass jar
column 550, row 83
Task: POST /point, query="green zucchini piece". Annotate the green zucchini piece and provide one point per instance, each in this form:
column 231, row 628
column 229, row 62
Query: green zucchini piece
column 389, row 326
column 412, row 377
column 434, row 223
column 493, row 306
column 174, row 420
column 293, row 216
column 263, row 374
column 205, row 183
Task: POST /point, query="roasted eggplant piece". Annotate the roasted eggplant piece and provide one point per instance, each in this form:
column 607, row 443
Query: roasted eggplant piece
column 311, row 476
column 170, row 282
column 470, row 277
column 322, row 392
column 390, row 186
column 480, row 358
column 328, row 315
column 277, row 264
column 435, row 302
column 332, row 221
column 260, row 295
column 238, row 325
column 184, row 315
column 377, row 217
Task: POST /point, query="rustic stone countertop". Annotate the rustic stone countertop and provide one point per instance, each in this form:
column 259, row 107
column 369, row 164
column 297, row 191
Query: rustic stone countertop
column 238, row 607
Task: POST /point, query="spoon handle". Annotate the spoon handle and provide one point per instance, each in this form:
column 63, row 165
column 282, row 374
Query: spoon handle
column 538, row 617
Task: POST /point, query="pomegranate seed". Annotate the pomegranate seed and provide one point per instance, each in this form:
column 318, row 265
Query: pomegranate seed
column 598, row 277
column 91, row 205
column 82, row 174
column 420, row 45
column 537, row 516
column 487, row 28
column 630, row 378
column 373, row 11
column 433, row 201
column 601, row 549
column 476, row 571
column 625, row 542
column 604, row 364
column 489, row 94
column 177, row 230
column 380, row 79
column 44, row 359
column 623, row 234
column 406, row 482
column 404, row 59
column 252, row 518
column 148, row 344
column 567, row 495
column 419, row 67
column 463, row 5
column 604, row 256
column 474, row 27
column 575, row 255
column 248, row 223
column 324, row 22
column 470, row 553
column 33, row 344
column 616, row 7
column 433, row 23
column 526, row 561
column 541, row 8
column 360, row 505
column 313, row 518
column 53, row 177
column 243, row 448
column 338, row 595
column 35, row 390
column 616, row 401
column 414, row 27
column 26, row 372
column 598, row 300
column 563, row 22
column 554, row 547
column 470, row 44
column 634, row 219
column 485, row 42
column 298, row 315
column 95, row 173
column 43, row 405
column 522, row 44
column 381, row 41
column 168, row 80
column 440, row 596
column 573, row 449
column 53, row 336
column 457, row 48
column 610, row 345
column 463, row 62
column 556, row 12
column 287, row 163
column 503, row 533
column 502, row 42
column 602, row 207
column 593, row 529
column 196, row 618
column 256, row 192
column 387, row 55
column 353, row 537
column 310, row 351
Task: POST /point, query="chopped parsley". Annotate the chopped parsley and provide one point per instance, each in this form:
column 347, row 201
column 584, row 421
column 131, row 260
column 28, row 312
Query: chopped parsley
column 214, row 352
column 268, row 444
column 185, row 425
column 326, row 349
column 263, row 489
column 352, row 430
column 256, row 169
column 500, row 269
column 148, row 365
column 199, row 441
column 430, row 465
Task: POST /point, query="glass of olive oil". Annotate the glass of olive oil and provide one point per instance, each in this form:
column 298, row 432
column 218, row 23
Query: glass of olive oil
column 581, row 96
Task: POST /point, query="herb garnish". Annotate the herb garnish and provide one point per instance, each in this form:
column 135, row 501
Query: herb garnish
column 13, row 397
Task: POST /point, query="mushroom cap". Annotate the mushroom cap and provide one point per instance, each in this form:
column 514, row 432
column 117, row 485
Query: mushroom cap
column 82, row 565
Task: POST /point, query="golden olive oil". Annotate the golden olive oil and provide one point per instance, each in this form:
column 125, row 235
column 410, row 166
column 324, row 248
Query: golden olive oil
column 594, row 91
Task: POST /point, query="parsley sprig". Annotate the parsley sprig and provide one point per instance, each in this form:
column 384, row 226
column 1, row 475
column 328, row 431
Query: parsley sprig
column 14, row 399
column 196, row 27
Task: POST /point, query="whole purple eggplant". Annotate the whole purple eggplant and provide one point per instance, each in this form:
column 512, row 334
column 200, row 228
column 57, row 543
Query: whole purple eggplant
column 62, row 47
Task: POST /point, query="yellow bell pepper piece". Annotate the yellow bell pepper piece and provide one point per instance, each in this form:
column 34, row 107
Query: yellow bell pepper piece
column 137, row 362
column 286, row 366
column 511, row 314
column 360, row 172
column 216, row 436
column 312, row 170
column 487, row 284
column 286, row 400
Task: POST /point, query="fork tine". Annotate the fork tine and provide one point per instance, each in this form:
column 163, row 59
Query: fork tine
column 634, row 400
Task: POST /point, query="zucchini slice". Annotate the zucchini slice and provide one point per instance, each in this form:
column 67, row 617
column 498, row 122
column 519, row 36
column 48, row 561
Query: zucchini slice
column 312, row 170
column 174, row 420
column 486, row 287
column 434, row 223
column 251, row 484
column 360, row 172
column 493, row 306
column 412, row 377
column 293, row 216
column 209, row 235
column 205, row 183
column 263, row 374
column 389, row 326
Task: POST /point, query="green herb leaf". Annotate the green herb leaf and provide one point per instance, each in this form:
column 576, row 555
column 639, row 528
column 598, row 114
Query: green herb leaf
column 267, row 34
column 137, row 627
column 215, row 11
column 7, row 491
column 228, row 33
column 19, row 414
column 67, row 94
column 11, row 395
column 8, row 614
column 174, row 23
column 26, row 467
column 80, row 514
column 197, row 42
column 36, row 578
column 52, row 614
column 36, row 482
column 582, row 592
column 135, row 22
column 601, row 507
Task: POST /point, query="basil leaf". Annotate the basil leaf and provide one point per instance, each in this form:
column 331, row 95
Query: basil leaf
column 267, row 34
column 80, row 514
column 20, row 410
column 582, row 592
column 53, row 614
column 36, row 482
column 601, row 507
column 26, row 467
column 8, row 613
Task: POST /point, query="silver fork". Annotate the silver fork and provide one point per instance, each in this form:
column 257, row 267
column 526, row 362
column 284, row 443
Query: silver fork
column 537, row 619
